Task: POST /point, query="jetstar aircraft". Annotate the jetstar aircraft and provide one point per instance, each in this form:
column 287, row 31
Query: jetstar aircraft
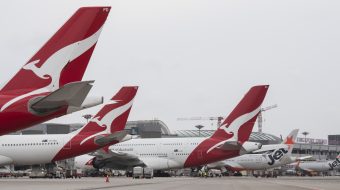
column 229, row 140
column 318, row 166
column 105, row 128
column 269, row 156
column 49, row 85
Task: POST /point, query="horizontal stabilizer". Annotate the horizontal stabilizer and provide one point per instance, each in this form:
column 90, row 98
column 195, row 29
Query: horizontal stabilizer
column 226, row 145
column 245, row 147
column 104, row 140
column 72, row 94
column 231, row 145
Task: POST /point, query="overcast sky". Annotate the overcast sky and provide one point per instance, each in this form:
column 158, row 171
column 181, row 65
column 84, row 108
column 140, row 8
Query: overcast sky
column 198, row 58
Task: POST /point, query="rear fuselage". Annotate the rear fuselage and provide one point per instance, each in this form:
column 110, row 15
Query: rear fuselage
column 170, row 153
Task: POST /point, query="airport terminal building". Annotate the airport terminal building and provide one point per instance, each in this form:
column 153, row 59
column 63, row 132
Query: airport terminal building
column 320, row 149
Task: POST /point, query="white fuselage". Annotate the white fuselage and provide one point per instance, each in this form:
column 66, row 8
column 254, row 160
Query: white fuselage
column 257, row 161
column 160, row 153
column 31, row 149
column 315, row 166
column 167, row 153
column 319, row 166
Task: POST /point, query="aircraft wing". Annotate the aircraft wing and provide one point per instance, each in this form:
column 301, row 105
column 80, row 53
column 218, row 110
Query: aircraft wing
column 244, row 148
column 304, row 158
column 229, row 165
column 233, row 166
column 269, row 148
column 116, row 160
column 71, row 94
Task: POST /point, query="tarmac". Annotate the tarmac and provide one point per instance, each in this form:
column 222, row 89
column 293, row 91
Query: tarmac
column 174, row 183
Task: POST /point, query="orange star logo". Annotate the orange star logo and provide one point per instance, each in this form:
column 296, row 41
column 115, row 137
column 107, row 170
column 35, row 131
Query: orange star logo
column 289, row 140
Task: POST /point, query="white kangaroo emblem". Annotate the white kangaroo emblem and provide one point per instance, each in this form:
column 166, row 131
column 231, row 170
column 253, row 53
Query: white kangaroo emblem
column 106, row 120
column 233, row 128
column 53, row 66
column 99, row 122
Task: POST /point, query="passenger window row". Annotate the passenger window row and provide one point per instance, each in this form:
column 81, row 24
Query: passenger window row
column 182, row 154
column 135, row 145
column 31, row 144
column 160, row 154
column 172, row 143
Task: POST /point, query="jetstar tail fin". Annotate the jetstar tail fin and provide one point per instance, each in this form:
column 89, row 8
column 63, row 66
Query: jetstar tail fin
column 290, row 140
column 240, row 122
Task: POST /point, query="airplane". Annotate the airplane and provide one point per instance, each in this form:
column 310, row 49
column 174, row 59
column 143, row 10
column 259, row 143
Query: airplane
column 229, row 140
column 105, row 128
column 49, row 85
column 318, row 166
column 269, row 156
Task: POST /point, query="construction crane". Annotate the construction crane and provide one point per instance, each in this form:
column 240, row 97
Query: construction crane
column 260, row 117
column 218, row 119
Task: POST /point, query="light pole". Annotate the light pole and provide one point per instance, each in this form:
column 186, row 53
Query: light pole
column 199, row 127
column 87, row 117
column 305, row 133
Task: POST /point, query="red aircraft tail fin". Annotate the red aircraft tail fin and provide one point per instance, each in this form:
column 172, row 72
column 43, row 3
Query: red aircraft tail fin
column 112, row 118
column 240, row 122
column 64, row 57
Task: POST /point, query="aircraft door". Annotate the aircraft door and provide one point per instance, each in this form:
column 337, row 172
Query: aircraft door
column 171, row 156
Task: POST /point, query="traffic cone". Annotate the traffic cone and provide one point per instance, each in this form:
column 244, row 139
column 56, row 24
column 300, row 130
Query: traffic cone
column 107, row 179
